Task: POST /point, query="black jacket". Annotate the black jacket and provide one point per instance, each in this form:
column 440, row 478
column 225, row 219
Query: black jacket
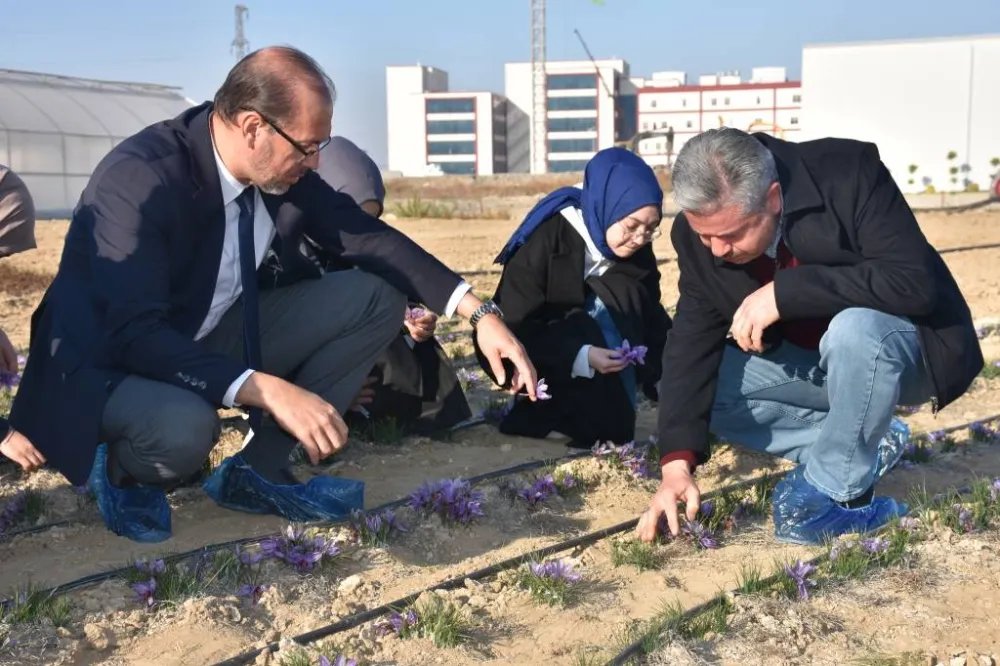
column 848, row 224
column 542, row 294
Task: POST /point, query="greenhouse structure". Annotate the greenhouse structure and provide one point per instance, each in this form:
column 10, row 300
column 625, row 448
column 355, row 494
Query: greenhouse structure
column 55, row 129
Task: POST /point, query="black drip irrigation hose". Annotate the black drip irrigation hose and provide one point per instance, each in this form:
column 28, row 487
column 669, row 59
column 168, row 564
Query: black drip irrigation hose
column 101, row 577
column 455, row 582
column 636, row 648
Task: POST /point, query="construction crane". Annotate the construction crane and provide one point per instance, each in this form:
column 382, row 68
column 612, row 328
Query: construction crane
column 539, row 108
column 240, row 43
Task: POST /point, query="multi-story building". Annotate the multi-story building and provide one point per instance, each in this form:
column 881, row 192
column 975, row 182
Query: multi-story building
column 588, row 108
column 673, row 111
column 432, row 130
column 931, row 105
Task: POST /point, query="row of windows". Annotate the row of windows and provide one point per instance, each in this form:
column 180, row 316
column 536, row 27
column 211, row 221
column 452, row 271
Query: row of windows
column 567, row 166
column 572, row 145
column 689, row 124
column 457, row 168
column 451, row 148
column 451, row 106
column 714, row 101
column 572, row 124
column 451, row 126
column 588, row 103
column 571, row 81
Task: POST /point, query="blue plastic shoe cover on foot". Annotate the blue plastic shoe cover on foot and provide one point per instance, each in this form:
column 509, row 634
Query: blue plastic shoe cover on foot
column 236, row 486
column 139, row 513
column 804, row 515
column 891, row 447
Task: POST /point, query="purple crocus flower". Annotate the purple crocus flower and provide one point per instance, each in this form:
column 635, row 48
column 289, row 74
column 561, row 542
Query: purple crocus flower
column 799, row 573
column 707, row 509
column 702, row 536
column 340, row 660
column 415, row 313
column 397, row 623
column 632, row 355
column 982, row 332
column 964, row 517
column 152, row 568
column 555, row 570
column 542, row 390
column 145, row 593
column 982, row 432
column 874, row 545
column 298, row 549
column 453, row 500
column 252, row 592
column 9, row 380
column 995, row 490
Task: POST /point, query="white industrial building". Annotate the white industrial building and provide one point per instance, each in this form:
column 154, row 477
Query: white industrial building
column 673, row 111
column 432, row 130
column 931, row 105
column 587, row 109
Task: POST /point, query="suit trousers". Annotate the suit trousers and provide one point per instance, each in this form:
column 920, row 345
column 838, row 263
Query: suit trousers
column 323, row 335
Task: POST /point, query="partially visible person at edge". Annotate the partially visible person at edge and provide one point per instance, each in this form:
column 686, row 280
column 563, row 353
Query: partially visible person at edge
column 155, row 320
column 414, row 382
column 17, row 234
column 579, row 280
column 839, row 310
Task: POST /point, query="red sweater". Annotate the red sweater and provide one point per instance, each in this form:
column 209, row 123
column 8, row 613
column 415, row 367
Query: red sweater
column 805, row 333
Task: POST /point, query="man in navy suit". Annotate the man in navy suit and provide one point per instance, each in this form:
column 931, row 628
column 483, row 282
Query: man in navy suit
column 154, row 320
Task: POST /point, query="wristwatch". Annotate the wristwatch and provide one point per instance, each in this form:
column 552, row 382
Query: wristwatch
column 489, row 307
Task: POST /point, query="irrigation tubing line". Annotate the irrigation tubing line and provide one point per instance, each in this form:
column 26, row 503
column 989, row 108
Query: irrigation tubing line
column 93, row 579
column 636, row 648
column 455, row 582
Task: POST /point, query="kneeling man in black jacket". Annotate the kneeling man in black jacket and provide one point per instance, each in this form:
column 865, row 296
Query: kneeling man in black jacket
column 811, row 305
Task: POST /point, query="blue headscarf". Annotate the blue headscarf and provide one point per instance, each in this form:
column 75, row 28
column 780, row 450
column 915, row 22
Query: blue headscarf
column 616, row 183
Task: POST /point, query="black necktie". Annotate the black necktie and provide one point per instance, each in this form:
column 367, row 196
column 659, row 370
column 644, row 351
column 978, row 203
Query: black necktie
column 251, row 305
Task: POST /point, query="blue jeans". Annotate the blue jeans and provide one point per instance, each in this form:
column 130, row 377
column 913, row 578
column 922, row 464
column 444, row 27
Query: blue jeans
column 825, row 409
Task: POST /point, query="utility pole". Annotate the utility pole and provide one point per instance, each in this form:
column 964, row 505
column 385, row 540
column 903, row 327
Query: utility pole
column 539, row 106
column 240, row 43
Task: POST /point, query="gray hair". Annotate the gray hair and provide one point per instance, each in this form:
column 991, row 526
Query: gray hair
column 721, row 167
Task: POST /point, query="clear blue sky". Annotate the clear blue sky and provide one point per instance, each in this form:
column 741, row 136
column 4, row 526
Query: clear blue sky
column 187, row 42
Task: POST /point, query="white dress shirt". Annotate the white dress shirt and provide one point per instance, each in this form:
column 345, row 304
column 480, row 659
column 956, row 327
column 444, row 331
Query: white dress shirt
column 229, row 285
column 594, row 263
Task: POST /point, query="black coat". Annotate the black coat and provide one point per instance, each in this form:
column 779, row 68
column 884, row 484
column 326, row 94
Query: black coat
column 542, row 294
column 860, row 245
column 138, row 272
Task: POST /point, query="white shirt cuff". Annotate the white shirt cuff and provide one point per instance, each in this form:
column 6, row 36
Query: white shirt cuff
column 581, row 366
column 456, row 298
column 229, row 400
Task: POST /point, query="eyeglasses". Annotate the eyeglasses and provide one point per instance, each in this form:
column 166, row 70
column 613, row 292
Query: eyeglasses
column 306, row 152
column 633, row 228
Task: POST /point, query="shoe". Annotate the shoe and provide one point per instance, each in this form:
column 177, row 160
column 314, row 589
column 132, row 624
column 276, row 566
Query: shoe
column 891, row 447
column 139, row 513
column 236, row 486
column 804, row 515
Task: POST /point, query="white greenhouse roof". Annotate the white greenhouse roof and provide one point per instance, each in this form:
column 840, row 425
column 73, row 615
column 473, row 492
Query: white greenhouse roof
column 55, row 129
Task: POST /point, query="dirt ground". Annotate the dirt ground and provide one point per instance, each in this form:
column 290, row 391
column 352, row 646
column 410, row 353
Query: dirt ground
column 945, row 606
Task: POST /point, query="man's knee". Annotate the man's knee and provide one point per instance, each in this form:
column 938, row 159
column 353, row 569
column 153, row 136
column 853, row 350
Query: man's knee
column 382, row 300
column 853, row 328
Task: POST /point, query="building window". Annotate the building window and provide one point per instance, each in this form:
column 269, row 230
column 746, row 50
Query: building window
column 645, row 127
column 571, row 81
column 451, row 148
column 451, row 127
column 652, row 103
column 689, row 124
column 726, row 101
column 572, row 145
column 567, row 166
column 588, row 103
column 714, row 101
column 758, row 100
column 457, row 168
column 794, row 121
column 572, row 124
column 684, row 102
column 451, row 106
column 796, row 99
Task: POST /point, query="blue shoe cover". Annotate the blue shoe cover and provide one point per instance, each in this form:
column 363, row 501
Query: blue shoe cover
column 891, row 447
column 236, row 486
column 139, row 513
column 804, row 515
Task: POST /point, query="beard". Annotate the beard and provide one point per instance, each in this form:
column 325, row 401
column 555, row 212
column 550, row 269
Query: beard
column 264, row 177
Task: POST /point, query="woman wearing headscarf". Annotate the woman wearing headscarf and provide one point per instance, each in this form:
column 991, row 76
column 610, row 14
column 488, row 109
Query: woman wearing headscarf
column 17, row 234
column 580, row 288
column 415, row 383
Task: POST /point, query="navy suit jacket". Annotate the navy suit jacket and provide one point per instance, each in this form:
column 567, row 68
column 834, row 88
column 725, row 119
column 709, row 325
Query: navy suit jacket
column 138, row 273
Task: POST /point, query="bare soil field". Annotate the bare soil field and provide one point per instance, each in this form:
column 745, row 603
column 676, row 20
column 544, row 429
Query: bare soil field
column 936, row 604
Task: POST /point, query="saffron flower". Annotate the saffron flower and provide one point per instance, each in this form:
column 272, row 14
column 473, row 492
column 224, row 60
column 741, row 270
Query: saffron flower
column 799, row 573
column 375, row 529
column 145, row 593
column 340, row 660
column 252, row 592
column 453, row 500
column 630, row 456
column 555, row 570
column 982, row 432
column 152, row 568
column 994, row 490
column 542, row 390
column 545, row 487
column 632, row 355
column 300, row 550
column 701, row 535
column 398, row 623
column 9, row 380
column 415, row 313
